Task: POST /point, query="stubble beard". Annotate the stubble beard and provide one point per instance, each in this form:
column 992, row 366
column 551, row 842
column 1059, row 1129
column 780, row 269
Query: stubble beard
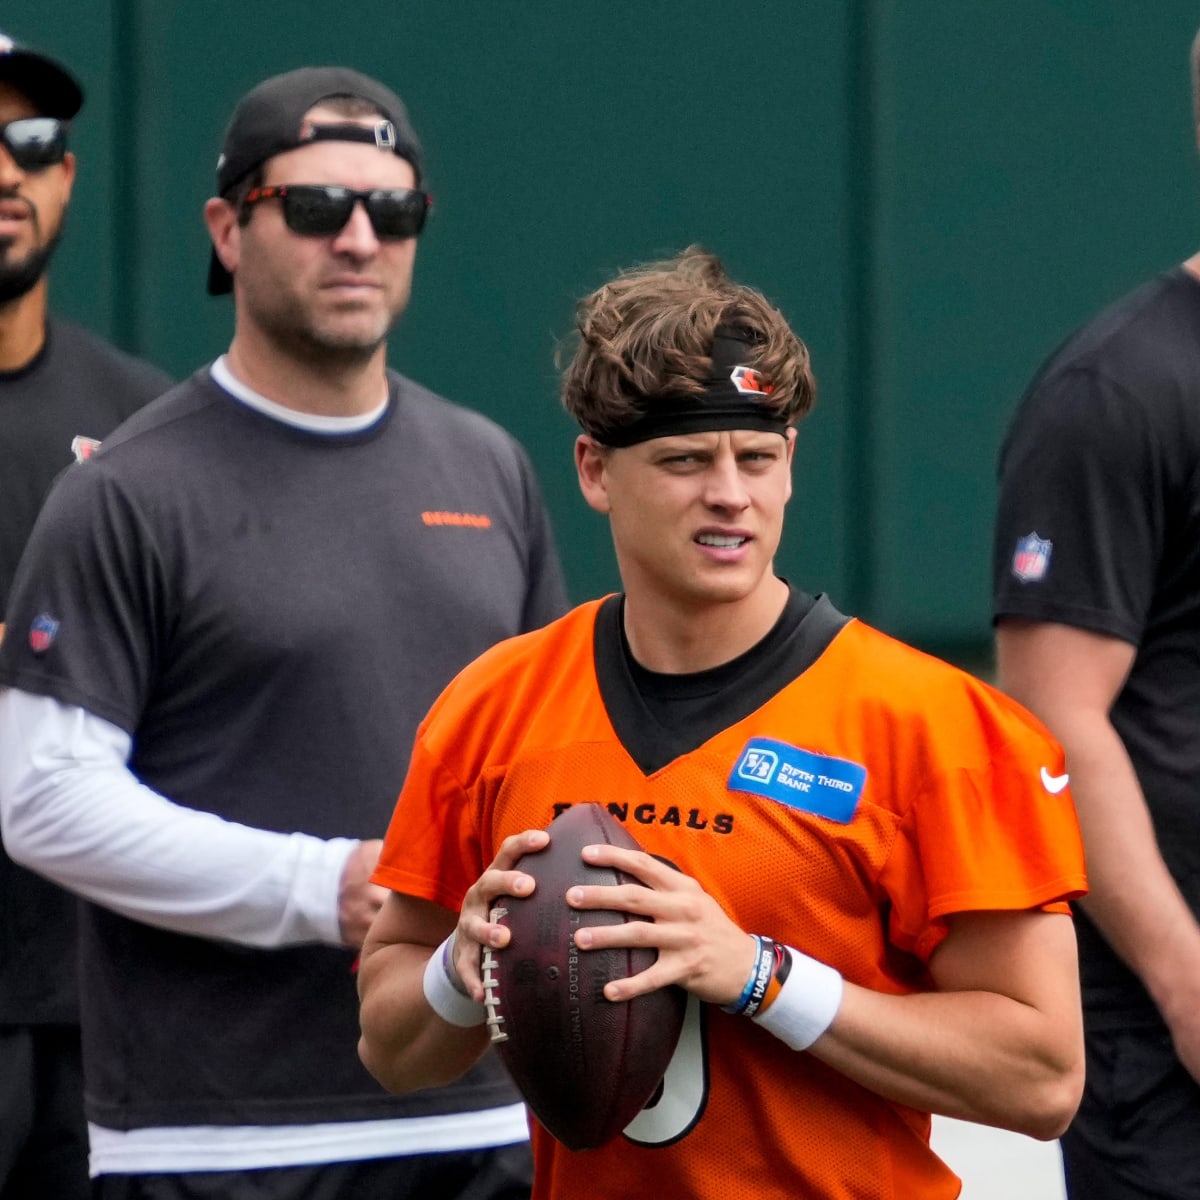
column 303, row 337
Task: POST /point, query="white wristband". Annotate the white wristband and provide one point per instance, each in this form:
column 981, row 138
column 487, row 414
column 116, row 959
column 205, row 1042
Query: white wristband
column 806, row 1004
column 444, row 998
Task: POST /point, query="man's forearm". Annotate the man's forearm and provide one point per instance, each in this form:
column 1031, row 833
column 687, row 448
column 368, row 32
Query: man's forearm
column 1000, row 1042
column 73, row 812
column 404, row 1043
column 1134, row 900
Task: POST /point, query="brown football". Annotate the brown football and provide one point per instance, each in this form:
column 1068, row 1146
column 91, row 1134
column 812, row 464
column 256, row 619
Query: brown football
column 585, row 1065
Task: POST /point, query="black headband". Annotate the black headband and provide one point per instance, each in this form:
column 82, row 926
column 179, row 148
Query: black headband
column 731, row 399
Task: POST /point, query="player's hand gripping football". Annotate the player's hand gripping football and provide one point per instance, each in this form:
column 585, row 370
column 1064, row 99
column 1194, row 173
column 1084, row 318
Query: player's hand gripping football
column 475, row 928
column 699, row 947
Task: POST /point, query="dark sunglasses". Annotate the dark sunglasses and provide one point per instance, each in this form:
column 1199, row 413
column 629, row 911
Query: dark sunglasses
column 35, row 143
column 320, row 210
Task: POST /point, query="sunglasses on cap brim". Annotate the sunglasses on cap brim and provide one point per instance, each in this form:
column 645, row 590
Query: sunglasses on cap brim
column 35, row 143
column 321, row 210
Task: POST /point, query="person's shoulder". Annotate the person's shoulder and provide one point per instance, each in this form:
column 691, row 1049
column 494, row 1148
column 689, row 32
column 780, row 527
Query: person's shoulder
column 159, row 422
column 1125, row 380
column 535, row 650
column 1142, row 332
column 918, row 688
column 142, row 455
column 897, row 668
column 516, row 672
column 104, row 364
column 424, row 409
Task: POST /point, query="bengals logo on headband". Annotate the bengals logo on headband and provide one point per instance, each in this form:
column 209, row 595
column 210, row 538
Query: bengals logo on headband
column 749, row 382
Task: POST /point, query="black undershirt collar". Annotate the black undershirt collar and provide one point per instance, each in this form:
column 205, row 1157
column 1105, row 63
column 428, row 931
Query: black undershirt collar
column 659, row 717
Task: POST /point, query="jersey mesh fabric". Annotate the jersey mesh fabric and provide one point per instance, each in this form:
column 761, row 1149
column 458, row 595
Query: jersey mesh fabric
column 952, row 818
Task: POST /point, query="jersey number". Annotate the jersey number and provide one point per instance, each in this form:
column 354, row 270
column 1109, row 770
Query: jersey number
column 679, row 1103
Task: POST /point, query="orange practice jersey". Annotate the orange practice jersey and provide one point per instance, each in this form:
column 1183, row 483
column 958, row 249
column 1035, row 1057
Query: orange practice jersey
column 848, row 815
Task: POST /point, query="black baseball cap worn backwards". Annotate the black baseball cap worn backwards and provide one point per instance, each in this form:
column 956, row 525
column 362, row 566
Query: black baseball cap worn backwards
column 50, row 87
column 269, row 120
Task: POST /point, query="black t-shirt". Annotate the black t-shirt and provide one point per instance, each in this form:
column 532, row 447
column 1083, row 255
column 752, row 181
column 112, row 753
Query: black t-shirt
column 270, row 611
column 1098, row 527
column 76, row 387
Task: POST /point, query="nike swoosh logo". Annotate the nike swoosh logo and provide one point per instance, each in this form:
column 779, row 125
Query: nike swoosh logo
column 1054, row 783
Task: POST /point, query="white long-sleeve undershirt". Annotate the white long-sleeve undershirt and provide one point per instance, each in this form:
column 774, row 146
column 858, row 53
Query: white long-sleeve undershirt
column 71, row 810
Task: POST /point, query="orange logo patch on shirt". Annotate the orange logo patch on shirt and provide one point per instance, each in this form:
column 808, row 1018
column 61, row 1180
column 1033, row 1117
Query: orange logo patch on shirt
column 465, row 520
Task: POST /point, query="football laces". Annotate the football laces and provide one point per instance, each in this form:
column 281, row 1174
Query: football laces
column 491, row 1002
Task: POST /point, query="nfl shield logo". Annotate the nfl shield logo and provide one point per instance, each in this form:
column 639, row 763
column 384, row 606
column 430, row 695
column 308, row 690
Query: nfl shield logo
column 42, row 633
column 1031, row 559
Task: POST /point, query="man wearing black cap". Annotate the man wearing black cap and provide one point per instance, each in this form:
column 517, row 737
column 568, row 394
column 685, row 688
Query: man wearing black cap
column 231, row 620
column 61, row 390
column 1096, row 602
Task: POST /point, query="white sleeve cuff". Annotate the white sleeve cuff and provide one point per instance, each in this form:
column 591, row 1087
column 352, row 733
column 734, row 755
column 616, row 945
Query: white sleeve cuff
column 313, row 885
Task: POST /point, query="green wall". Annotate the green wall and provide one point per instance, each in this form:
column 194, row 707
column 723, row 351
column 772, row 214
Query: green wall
column 934, row 191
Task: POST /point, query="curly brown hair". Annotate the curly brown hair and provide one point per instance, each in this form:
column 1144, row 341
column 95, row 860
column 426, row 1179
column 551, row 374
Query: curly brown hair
column 648, row 334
